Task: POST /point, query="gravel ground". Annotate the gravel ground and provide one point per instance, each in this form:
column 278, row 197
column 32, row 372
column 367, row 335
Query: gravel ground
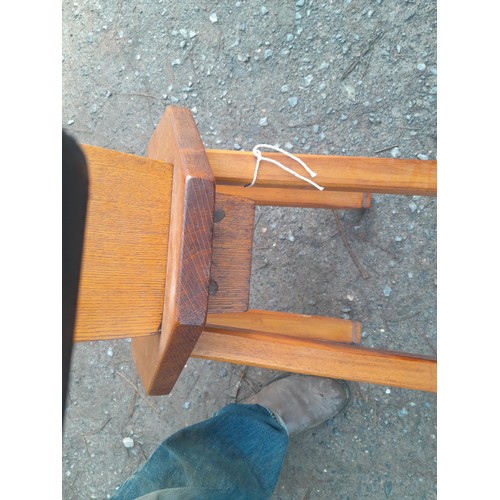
column 345, row 78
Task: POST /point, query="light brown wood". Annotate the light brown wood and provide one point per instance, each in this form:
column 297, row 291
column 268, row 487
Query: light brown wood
column 306, row 198
column 160, row 359
column 337, row 173
column 293, row 325
column 123, row 265
column 231, row 255
column 320, row 358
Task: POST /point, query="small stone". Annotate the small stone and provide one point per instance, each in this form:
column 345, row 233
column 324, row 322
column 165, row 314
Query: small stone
column 192, row 34
column 128, row 442
column 387, row 391
column 343, row 117
column 236, row 146
column 174, row 99
column 412, row 206
column 403, row 412
column 298, row 16
column 176, row 62
column 421, row 156
column 398, row 49
column 293, row 101
column 290, row 237
column 264, row 10
column 284, row 88
column 398, row 238
column 186, row 405
column 288, row 145
column 263, row 121
column 223, row 372
column 183, row 32
column 268, row 54
column 421, row 66
column 350, row 297
column 324, row 65
column 395, row 153
column 70, row 122
column 316, row 128
column 213, row 17
column 182, row 44
column 110, row 352
column 300, row 3
column 387, row 291
column 308, row 79
column 289, row 37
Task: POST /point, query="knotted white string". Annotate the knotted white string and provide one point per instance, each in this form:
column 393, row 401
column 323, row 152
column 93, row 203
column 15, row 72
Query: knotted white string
column 258, row 154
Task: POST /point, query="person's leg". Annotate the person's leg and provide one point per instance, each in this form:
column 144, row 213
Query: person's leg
column 239, row 452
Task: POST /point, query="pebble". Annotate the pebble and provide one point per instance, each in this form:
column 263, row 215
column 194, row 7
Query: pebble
column 70, row 122
column 110, row 352
column 343, row 117
column 288, row 145
column 324, row 65
column 213, row 17
column 284, row 88
column 128, row 442
column 186, row 405
column 223, row 371
column 264, row 10
column 387, row 291
column 236, row 146
column 290, row 237
column 176, row 62
column 308, row 79
column 192, row 34
column 421, row 66
column 289, row 37
column 398, row 238
column 293, row 101
column 412, row 206
column 403, row 412
column 263, row 121
column 421, row 156
column 396, row 153
column 268, row 54
column 300, row 3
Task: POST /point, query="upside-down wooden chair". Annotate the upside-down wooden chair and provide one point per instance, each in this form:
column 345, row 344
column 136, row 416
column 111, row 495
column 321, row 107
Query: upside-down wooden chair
column 167, row 259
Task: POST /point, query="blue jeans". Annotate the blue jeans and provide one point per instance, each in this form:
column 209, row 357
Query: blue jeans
column 236, row 454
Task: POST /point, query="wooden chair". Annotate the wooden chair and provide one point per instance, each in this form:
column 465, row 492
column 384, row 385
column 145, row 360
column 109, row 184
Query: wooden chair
column 167, row 259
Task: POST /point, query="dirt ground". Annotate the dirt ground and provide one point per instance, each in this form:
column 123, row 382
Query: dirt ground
column 315, row 76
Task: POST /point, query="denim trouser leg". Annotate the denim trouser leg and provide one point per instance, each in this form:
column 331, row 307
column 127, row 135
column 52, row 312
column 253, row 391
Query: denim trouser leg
column 238, row 453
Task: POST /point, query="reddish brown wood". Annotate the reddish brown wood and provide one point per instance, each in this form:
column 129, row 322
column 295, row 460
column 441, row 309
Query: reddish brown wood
column 160, row 359
column 307, row 198
column 231, row 254
column 294, row 325
column 122, row 284
column 337, row 173
column 320, row 358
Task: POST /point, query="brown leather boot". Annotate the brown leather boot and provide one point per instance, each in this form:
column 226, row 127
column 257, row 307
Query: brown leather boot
column 302, row 401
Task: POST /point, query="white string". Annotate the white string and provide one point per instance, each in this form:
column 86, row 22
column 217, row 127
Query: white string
column 258, row 154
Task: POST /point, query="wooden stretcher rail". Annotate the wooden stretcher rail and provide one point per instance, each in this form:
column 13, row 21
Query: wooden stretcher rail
column 338, row 173
column 320, row 358
column 305, row 198
column 293, row 325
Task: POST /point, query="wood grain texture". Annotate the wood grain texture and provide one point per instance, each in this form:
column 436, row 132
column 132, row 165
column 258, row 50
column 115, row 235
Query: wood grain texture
column 160, row 359
column 293, row 325
column 306, row 198
column 123, row 266
column 231, row 254
column 337, row 173
column 320, row 358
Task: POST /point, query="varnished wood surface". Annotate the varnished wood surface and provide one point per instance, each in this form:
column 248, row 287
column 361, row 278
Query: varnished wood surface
column 123, row 266
column 160, row 360
column 320, row 358
column 293, row 325
column 231, row 254
column 306, row 198
column 338, row 173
